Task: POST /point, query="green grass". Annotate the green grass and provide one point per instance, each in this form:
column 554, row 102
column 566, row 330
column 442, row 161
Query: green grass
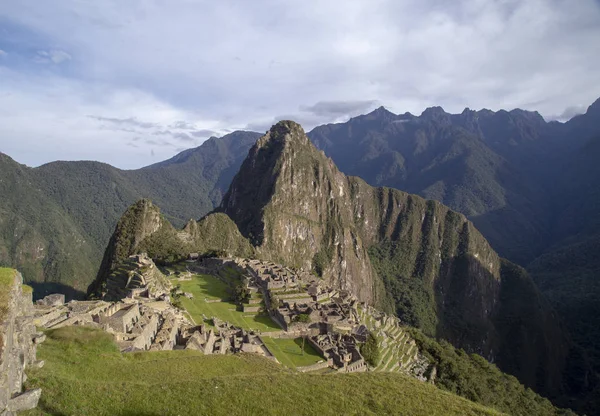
column 205, row 286
column 209, row 287
column 86, row 375
column 7, row 277
column 289, row 351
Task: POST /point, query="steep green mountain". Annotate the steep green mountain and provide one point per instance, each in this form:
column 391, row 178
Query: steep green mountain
column 56, row 220
column 37, row 236
column 390, row 248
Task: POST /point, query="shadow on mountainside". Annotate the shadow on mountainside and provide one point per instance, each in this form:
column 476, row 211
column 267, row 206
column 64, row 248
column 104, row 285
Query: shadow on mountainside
column 525, row 336
column 41, row 289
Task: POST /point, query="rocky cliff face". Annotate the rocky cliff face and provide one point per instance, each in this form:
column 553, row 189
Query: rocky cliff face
column 294, row 205
column 18, row 339
column 297, row 208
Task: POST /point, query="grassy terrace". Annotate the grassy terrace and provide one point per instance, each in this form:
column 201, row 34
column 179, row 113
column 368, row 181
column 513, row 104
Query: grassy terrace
column 86, row 375
column 205, row 287
column 289, row 352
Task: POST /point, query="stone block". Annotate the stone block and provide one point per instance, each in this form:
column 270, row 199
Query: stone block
column 55, row 299
column 39, row 338
column 24, row 401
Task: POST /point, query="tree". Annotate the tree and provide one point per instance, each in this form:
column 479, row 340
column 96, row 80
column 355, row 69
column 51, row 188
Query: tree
column 303, row 317
column 274, row 302
column 370, row 350
column 241, row 294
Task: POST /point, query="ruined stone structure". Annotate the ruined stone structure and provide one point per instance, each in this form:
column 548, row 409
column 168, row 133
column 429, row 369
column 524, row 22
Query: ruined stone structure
column 226, row 339
column 136, row 276
column 341, row 349
column 137, row 324
column 18, row 341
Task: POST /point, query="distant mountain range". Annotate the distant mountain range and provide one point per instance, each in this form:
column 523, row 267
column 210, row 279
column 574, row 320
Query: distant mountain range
column 531, row 188
column 56, row 220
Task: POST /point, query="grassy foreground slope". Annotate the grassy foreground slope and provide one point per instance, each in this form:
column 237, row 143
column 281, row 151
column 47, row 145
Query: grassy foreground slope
column 86, row 375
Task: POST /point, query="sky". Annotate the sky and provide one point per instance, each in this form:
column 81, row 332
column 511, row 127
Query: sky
column 134, row 82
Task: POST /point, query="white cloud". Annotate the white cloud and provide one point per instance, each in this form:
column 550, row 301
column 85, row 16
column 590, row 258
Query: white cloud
column 234, row 63
column 48, row 118
column 54, row 56
column 2, row 53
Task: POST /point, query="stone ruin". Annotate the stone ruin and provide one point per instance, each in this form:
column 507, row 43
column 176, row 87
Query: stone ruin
column 18, row 343
column 224, row 338
column 341, row 349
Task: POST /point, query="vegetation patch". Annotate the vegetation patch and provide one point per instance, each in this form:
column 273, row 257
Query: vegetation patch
column 292, row 352
column 7, row 277
column 472, row 377
column 414, row 300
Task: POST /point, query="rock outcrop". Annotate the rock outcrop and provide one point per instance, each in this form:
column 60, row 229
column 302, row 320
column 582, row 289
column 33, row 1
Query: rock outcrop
column 18, row 340
column 143, row 229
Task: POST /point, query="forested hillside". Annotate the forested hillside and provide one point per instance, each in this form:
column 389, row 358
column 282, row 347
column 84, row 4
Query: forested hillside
column 57, row 219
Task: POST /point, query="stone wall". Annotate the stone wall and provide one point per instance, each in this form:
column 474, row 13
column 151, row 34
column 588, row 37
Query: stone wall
column 315, row 367
column 18, row 340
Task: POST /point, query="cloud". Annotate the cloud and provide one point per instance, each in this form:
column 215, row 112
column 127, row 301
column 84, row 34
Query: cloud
column 183, row 125
column 183, row 137
column 339, row 108
column 51, row 56
column 313, row 61
column 125, row 122
column 205, row 133
column 2, row 53
column 569, row 113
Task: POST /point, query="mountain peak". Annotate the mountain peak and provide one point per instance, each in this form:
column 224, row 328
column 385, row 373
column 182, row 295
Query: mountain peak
column 381, row 110
column 380, row 113
column 285, row 131
column 594, row 107
column 434, row 112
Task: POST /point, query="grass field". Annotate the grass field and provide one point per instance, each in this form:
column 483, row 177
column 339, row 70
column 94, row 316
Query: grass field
column 86, row 375
column 289, row 351
column 205, row 287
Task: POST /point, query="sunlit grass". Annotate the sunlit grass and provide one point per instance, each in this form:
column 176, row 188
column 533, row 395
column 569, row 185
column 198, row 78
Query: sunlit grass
column 86, row 375
column 205, row 287
column 289, row 352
